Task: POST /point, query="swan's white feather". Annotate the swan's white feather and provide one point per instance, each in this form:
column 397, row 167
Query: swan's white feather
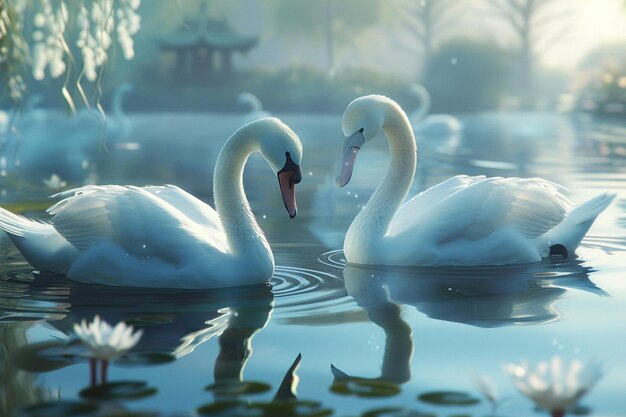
column 474, row 207
column 127, row 215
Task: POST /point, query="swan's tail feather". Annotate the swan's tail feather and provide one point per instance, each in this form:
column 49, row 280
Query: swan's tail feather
column 41, row 245
column 17, row 225
column 590, row 209
column 571, row 231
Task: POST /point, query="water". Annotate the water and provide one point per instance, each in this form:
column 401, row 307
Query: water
column 397, row 332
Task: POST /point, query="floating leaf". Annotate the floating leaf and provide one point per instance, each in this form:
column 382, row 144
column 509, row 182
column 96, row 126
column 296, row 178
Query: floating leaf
column 46, row 356
column 365, row 387
column 395, row 412
column 150, row 320
column 126, row 390
column 145, row 359
column 297, row 408
column 60, row 409
column 239, row 388
column 448, row 398
column 224, row 409
column 274, row 409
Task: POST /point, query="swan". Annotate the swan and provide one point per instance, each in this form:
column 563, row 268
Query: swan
column 462, row 221
column 435, row 125
column 162, row 236
column 254, row 105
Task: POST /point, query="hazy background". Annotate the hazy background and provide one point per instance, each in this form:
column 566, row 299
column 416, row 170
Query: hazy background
column 315, row 56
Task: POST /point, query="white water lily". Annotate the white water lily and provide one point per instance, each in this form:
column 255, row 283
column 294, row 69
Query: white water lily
column 488, row 389
column 105, row 342
column 54, row 182
column 553, row 386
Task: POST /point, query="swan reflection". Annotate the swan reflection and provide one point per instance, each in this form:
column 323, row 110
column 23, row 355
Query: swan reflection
column 482, row 297
column 174, row 322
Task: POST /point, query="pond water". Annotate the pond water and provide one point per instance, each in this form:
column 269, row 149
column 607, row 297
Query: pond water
column 398, row 333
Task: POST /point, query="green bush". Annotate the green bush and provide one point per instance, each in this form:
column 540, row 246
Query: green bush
column 467, row 75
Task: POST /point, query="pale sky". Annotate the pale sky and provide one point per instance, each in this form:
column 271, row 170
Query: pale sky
column 589, row 24
column 593, row 22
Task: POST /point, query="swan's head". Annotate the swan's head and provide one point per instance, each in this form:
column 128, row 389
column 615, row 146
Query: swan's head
column 362, row 120
column 282, row 150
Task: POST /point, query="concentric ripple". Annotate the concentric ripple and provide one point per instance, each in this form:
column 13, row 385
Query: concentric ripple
column 308, row 295
column 333, row 258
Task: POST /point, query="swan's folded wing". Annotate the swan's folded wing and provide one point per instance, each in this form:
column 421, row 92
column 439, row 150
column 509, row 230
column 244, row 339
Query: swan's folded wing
column 481, row 206
column 411, row 213
column 136, row 219
column 190, row 206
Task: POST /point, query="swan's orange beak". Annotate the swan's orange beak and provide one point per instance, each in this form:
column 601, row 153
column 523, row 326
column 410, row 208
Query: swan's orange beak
column 351, row 146
column 288, row 177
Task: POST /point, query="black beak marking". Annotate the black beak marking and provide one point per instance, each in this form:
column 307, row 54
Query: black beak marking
column 291, row 166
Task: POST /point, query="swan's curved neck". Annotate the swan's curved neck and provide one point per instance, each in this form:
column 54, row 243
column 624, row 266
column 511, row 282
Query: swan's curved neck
column 424, row 104
column 373, row 221
column 243, row 233
column 255, row 104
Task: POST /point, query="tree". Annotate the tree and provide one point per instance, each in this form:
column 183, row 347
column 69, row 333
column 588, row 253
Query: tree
column 530, row 20
column 467, row 75
column 335, row 22
column 427, row 20
column 61, row 38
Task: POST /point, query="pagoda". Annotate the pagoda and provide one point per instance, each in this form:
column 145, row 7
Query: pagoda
column 204, row 47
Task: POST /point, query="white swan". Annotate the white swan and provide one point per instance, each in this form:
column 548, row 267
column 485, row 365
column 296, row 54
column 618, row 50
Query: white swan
column 461, row 221
column 163, row 236
column 435, row 125
column 254, row 105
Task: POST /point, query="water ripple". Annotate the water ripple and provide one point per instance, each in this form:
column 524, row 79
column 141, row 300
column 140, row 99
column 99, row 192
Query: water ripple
column 303, row 294
column 333, row 258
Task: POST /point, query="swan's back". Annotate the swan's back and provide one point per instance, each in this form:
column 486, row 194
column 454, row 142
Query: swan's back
column 473, row 208
column 150, row 221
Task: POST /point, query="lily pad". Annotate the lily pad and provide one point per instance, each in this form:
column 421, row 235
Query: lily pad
column 149, row 320
column 60, row 409
column 239, row 388
column 448, row 398
column 224, row 409
column 273, row 409
column 395, row 412
column 45, row 357
column 297, row 408
column 124, row 390
column 145, row 359
column 365, row 387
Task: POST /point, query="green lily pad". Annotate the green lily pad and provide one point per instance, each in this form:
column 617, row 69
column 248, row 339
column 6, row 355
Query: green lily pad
column 448, row 398
column 296, row 408
column 239, row 388
column 274, row 409
column 60, row 409
column 45, row 357
column 224, row 409
column 395, row 412
column 126, row 390
column 365, row 387
column 145, row 359
column 149, row 320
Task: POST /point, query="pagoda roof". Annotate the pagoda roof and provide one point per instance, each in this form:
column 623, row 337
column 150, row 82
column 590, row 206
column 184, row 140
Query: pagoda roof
column 211, row 33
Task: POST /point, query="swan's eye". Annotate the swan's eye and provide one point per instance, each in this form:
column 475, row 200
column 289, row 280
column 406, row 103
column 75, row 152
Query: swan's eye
column 287, row 154
column 361, row 130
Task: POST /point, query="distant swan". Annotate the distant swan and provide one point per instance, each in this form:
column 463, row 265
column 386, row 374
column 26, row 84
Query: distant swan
column 254, row 105
column 435, row 125
column 461, row 221
column 163, row 236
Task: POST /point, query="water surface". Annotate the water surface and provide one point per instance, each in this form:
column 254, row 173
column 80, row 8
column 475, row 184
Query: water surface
column 396, row 332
